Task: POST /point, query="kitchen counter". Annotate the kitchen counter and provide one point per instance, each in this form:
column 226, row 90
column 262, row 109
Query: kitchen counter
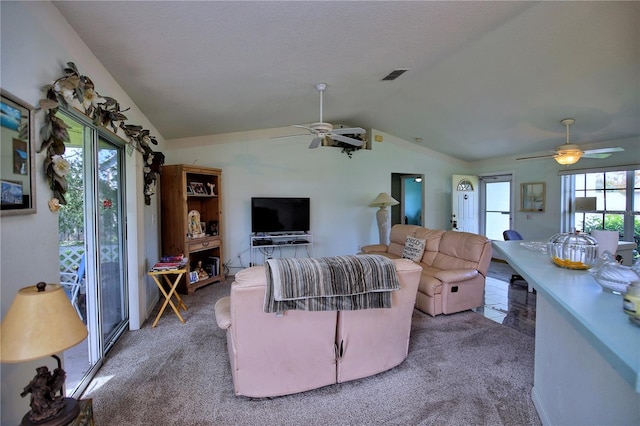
column 587, row 360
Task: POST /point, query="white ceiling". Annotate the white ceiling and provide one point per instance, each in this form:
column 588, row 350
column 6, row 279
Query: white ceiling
column 485, row 79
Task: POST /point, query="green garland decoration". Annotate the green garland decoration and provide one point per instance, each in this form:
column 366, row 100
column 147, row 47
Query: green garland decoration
column 103, row 110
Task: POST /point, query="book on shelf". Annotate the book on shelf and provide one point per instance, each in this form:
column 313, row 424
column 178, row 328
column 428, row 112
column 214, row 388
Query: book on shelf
column 213, row 264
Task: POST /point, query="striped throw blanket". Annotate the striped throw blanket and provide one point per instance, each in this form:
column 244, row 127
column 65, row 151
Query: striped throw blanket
column 330, row 283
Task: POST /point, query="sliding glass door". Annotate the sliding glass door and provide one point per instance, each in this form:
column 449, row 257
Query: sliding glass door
column 92, row 245
column 110, row 244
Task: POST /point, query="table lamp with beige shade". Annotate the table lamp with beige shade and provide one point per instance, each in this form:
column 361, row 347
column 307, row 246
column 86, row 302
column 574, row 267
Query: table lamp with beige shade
column 42, row 322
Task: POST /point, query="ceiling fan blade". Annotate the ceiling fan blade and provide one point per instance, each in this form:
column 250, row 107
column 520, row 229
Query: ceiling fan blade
column 350, row 141
column 315, row 142
column 302, row 127
column 349, row 131
column 289, row 136
column 602, row 151
column 599, row 156
column 536, row 156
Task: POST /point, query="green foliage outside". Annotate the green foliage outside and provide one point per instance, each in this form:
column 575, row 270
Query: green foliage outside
column 613, row 222
column 71, row 217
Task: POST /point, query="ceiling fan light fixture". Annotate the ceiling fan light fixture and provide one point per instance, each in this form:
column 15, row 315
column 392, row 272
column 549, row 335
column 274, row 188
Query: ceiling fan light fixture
column 568, row 157
column 569, row 153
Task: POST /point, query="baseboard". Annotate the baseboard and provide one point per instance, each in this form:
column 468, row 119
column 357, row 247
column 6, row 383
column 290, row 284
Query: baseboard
column 542, row 414
column 152, row 306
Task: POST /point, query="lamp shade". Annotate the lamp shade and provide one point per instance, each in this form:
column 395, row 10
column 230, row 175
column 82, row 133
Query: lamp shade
column 39, row 324
column 383, row 200
column 585, row 204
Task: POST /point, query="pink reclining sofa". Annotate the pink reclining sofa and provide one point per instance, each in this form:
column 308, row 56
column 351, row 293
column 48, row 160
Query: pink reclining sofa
column 454, row 266
column 274, row 354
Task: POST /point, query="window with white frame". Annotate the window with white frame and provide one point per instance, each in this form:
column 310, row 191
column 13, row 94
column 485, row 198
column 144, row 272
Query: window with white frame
column 616, row 192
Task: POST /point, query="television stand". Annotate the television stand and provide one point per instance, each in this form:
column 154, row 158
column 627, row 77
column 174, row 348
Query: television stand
column 279, row 245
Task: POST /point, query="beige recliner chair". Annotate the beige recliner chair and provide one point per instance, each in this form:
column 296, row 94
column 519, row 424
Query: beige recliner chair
column 280, row 354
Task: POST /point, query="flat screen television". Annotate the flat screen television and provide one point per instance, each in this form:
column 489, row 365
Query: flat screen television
column 279, row 214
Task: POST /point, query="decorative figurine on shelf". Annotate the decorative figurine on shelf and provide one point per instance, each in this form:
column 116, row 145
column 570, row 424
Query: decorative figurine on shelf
column 202, row 274
column 213, row 227
column 211, row 188
column 193, row 224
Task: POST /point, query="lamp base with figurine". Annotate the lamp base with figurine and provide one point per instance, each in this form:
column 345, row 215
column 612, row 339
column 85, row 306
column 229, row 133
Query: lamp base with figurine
column 47, row 408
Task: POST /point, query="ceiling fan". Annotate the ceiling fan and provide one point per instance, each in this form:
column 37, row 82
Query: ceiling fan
column 570, row 153
column 322, row 130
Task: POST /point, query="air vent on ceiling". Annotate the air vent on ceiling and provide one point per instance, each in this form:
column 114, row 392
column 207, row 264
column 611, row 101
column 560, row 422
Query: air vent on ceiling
column 395, row 74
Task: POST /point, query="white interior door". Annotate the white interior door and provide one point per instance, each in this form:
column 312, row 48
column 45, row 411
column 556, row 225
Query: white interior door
column 464, row 203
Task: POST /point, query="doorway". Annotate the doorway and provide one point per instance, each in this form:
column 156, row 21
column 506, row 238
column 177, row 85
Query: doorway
column 92, row 244
column 496, row 205
column 408, row 190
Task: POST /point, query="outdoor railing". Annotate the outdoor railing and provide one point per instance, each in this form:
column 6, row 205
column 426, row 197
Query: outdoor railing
column 70, row 256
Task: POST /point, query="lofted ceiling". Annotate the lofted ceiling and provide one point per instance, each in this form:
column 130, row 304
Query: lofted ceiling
column 485, row 79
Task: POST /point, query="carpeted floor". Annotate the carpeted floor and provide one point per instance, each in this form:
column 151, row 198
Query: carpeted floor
column 462, row 369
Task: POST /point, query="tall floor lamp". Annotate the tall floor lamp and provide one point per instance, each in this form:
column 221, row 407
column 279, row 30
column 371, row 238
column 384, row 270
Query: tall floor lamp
column 40, row 322
column 383, row 216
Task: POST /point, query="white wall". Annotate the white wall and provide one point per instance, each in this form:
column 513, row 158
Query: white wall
column 35, row 43
column 340, row 187
column 255, row 164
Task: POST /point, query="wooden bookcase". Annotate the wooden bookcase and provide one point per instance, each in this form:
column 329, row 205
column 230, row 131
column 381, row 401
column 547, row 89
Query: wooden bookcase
column 178, row 199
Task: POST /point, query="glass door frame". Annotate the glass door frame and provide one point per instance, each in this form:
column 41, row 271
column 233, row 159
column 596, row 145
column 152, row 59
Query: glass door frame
column 122, row 226
column 494, row 178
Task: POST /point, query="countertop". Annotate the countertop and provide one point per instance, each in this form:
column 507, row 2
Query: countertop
column 596, row 314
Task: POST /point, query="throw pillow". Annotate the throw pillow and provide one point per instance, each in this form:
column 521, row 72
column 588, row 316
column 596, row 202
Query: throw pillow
column 413, row 249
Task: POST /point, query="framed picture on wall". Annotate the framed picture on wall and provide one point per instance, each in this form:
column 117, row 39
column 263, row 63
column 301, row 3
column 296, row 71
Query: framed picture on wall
column 18, row 153
column 532, row 197
column 20, row 157
column 11, row 193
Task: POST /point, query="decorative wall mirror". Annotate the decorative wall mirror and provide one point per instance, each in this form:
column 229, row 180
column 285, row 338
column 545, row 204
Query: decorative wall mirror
column 532, row 197
column 17, row 183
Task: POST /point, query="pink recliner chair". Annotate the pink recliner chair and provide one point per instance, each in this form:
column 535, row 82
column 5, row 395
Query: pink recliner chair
column 280, row 354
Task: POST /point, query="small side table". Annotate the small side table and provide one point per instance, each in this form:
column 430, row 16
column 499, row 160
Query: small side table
column 172, row 291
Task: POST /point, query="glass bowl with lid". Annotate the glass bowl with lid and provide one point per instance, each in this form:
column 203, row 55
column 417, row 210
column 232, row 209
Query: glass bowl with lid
column 573, row 250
